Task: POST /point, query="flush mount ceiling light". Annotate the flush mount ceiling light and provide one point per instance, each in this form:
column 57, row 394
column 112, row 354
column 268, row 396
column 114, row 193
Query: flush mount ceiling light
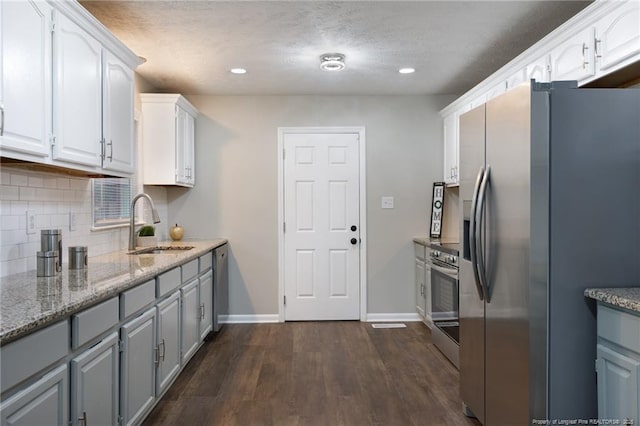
column 238, row 71
column 407, row 70
column 332, row 62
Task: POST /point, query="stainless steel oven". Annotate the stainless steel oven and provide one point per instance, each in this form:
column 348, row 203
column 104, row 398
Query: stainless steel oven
column 444, row 302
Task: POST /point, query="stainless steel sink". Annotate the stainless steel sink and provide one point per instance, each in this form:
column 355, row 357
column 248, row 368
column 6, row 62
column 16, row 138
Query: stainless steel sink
column 160, row 249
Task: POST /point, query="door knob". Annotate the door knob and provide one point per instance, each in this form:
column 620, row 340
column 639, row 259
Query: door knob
column 354, row 228
column 354, row 241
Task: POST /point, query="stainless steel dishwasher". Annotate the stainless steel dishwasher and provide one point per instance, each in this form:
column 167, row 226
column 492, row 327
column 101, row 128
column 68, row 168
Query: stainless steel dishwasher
column 220, row 285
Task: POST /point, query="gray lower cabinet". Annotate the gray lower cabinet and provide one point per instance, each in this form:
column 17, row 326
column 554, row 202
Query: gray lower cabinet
column 138, row 369
column 618, row 364
column 44, row 402
column 95, row 383
column 420, row 287
column 206, row 304
column 190, row 319
column 168, row 358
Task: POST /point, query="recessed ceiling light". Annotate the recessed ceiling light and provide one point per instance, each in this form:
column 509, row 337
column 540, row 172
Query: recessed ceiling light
column 406, row 70
column 238, row 71
column 332, row 62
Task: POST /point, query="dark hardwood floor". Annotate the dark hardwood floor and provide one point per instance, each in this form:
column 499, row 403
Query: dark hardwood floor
column 315, row 373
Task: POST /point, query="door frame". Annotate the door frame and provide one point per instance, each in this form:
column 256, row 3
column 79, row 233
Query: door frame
column 362, row 189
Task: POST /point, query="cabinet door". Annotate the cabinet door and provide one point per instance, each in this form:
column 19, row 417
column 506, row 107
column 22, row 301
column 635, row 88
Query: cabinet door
column 95, row 383
column 206, row 304
column 181, row 140
column 189, row 148
column 420, row 289
column 117, row 115
column 451, row 148
column 190, row 320
column 77, row 94
column 574, row 59
column 44, row 402
column 168, row 341
column 618, row 36
column 25, row 78
column 539, row 70
column 138, row 372
column 617, row 385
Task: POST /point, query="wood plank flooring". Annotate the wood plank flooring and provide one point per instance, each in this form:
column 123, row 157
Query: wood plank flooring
column 315, row 373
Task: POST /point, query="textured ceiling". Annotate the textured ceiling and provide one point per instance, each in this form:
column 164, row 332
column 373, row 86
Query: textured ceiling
column 191, row 45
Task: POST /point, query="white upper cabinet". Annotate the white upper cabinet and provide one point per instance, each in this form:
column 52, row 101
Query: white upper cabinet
column 618, row 37
column 77, row 94
column 574, row 58
column 168, row 146
column 117, row 110
column 25, row 79
column 451, row 149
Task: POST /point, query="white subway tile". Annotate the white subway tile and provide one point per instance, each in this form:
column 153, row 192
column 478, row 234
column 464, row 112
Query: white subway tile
column 9, row 223
column 50, row 208
column 28, row 250
column 27, row 194
column 36, row 181
column 9, row 237
column 50, row 182
column 36, row 206
column 62, row 183
column 5, row 177
column 79, row 183
column 68, row 195
column 5, row 207
column 19, row 179
column 11, row 252
column 17, row 266
column 43, row 221
column 19, row 207
column 9, row 193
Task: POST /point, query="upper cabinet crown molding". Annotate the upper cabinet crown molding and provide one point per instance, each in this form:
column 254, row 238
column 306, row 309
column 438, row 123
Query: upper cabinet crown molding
column 74, row 11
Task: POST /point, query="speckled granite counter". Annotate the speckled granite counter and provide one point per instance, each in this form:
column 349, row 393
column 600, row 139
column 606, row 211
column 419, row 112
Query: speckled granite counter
column 28, row 303
column 451, row 247
column 626, row 297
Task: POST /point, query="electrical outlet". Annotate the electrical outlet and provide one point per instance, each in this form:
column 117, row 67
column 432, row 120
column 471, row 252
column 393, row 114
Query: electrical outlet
column 387, row 202
column 73, row 221
column 31, row 222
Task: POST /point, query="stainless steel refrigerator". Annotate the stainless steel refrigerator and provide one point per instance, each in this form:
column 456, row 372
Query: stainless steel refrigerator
column 550, row 194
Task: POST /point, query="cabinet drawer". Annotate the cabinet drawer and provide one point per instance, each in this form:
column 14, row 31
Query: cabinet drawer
column 189, row 270
column 205, row 262
column 25, row 357
column 168, row 281
column 131, row 301
column 619, row 327
column 91, row 322
column 420, row 251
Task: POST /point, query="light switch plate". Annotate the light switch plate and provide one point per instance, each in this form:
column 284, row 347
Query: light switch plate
column 31, row 222
column 387, row 202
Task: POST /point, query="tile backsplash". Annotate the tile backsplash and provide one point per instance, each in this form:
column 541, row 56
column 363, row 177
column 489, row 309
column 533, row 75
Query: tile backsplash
column 51, row 197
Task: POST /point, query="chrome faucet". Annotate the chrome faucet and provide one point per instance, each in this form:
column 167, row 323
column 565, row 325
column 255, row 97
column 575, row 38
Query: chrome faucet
column 132, row 219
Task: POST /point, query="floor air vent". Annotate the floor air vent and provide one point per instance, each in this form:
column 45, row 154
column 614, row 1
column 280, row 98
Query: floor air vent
column 389, row 325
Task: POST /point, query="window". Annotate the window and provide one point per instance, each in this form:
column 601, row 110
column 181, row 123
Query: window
column 111, row 199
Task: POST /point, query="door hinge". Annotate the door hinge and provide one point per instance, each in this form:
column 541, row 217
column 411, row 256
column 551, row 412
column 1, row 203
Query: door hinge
column 120, row 346
column 283, row 154
column 52, row 140
column 285, row 300
column 596, row 363
column 284, row 227
column 52, row 26
column 120, row 420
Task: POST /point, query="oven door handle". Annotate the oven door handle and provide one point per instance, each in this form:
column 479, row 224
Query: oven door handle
column 480, row 258
column 472, row 234
column 449, row 272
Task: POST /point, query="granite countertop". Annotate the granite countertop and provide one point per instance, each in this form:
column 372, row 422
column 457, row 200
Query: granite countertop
column 28, row 302
column 624, row 297
column 451, row 247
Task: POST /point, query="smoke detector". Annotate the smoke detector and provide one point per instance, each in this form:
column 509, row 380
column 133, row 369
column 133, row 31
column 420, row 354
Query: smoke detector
column 332, row 62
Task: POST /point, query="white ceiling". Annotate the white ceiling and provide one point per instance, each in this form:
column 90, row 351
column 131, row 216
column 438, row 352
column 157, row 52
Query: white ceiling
column 191, row 45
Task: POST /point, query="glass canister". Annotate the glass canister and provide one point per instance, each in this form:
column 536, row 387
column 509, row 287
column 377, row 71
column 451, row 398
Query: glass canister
column 78, row 257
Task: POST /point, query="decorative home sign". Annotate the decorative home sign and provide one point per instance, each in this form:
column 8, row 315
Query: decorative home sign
column 436, row 209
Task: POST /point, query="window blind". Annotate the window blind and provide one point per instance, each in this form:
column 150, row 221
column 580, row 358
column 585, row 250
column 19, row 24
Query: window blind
column 111, row 199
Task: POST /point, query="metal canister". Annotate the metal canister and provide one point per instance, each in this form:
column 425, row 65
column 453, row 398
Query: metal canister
column 47, row 263
column 78, row 257
column 51, row 240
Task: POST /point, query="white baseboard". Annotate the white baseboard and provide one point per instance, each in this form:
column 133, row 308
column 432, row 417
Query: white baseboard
column 249, row 319
column 410, row 317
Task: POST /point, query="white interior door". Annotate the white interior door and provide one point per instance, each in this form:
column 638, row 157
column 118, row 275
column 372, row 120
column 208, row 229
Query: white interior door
column 322, row 229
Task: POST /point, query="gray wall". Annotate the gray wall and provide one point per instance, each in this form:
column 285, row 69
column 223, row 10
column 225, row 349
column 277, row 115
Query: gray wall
column 236, row 188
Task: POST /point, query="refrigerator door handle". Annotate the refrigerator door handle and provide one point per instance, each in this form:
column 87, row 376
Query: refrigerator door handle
column 472, row 235
column 478, row 232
